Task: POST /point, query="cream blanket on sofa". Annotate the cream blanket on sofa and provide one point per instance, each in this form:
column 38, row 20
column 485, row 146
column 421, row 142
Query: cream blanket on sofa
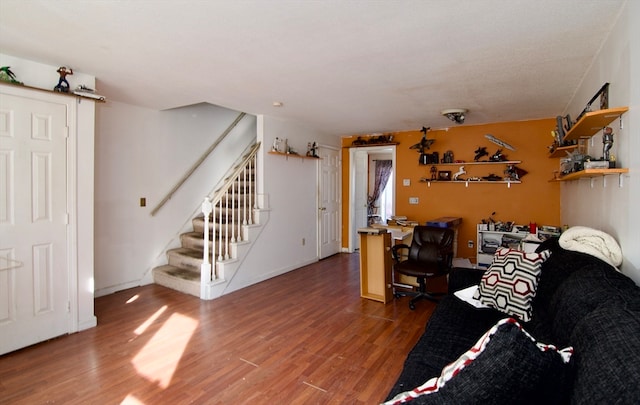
column 592, row 242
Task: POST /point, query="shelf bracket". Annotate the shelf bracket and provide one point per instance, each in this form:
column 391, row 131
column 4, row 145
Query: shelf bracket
column 591, row 181
column 604, row 181
column 620, row 180
column 508, row 184
column 466, row 183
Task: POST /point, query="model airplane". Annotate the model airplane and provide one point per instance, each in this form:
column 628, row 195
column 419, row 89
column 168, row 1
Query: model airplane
column 499, row 142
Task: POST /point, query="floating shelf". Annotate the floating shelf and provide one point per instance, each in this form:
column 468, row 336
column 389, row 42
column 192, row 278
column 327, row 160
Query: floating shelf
column 70, row 94
column 288, row 155
column 488, row 162
column 592, row 122
column 590, row 173
column 561, row 151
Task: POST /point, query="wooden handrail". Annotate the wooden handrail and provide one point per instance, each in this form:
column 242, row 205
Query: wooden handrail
column 197, row 164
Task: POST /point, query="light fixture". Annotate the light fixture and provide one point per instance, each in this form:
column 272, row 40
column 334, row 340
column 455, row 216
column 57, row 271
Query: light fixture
column 278, row 103
column 455, row 114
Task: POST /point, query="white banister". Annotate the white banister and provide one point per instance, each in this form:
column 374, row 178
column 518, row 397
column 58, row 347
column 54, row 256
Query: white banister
column 206, row 275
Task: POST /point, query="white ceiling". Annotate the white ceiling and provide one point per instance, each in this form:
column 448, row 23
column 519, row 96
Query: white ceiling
column 345, row 67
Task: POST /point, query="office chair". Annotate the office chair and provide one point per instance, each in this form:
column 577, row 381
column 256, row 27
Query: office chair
column 430, row 255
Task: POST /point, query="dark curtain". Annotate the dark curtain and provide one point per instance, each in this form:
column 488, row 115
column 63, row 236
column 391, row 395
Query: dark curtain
column 383, row 172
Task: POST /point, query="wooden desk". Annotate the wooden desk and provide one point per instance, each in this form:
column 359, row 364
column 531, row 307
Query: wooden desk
column 375, row 264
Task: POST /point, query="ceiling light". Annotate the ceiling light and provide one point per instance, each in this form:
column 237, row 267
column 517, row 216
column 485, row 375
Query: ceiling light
column 277, row 104
column 455, row 114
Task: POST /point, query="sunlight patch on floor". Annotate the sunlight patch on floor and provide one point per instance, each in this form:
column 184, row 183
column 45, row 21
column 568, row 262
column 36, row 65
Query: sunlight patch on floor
column 131, row 400
column 159, row 358
column 143, row 327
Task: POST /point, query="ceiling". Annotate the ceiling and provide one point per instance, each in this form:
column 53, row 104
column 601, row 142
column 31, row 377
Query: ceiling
column 342, row 67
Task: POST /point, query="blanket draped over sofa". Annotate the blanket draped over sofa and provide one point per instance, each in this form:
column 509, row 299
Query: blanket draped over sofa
column 582, row 304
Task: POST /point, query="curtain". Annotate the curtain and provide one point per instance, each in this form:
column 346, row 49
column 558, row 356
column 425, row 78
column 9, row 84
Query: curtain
column 383, row 172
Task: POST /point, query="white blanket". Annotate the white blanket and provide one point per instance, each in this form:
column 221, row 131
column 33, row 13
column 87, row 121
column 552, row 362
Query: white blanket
column 593, row 242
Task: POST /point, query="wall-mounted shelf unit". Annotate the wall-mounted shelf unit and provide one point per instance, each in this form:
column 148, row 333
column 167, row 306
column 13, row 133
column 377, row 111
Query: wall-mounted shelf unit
column 591, row 173
column 488, row 162
column 592, row 122
column 562, row 151
column 70, row 94
column 474, row 163
column 288, row 155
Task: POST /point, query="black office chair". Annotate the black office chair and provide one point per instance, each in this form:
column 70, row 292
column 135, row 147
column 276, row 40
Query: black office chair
column 430, row 255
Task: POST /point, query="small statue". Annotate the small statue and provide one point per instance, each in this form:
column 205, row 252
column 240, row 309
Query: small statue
column 498, row 156
column 6, row 75
column 312, row 150
column 459, row 173
column 63, row 84
column 276, row 145
column 434, row 173
column 480, row 152
column 607, row 143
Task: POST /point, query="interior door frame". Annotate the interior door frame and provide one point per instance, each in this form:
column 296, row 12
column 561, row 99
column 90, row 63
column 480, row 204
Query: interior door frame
column 352, row 185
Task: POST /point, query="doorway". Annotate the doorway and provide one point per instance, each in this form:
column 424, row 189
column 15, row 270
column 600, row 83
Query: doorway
column 361, row 178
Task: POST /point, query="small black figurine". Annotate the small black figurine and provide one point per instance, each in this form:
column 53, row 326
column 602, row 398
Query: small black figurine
column 63, row 84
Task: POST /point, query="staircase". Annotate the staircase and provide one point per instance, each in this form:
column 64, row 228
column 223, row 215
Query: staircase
column 231, row 222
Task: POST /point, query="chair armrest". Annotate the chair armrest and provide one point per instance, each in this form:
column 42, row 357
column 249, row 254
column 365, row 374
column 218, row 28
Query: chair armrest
column 394, row 251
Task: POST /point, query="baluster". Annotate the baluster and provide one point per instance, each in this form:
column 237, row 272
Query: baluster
column 219, row 230
column 233, row 212
column 244, row 195
column 205, row 268
column 226, row 226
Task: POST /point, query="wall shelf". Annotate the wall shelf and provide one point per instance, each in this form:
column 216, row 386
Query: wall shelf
column 70, row 94
column 592, row 122
column 288, row 155
column 591, row 173
column 562, row 151
column 487, row 162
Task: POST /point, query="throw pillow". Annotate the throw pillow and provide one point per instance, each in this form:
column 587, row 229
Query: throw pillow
column 505, row 366
column 510, row 283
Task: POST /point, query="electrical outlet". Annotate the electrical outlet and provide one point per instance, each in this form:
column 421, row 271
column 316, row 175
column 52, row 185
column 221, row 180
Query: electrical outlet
column 406, row 182
column 470, row 244
column 143, row 202
column 413, row 200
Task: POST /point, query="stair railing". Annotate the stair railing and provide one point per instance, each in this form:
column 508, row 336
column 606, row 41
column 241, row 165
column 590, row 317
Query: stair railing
column 197, row 164
column 228, row 219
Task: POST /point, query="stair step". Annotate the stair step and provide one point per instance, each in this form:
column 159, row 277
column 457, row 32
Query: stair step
column 179, row 279
column 185, row 258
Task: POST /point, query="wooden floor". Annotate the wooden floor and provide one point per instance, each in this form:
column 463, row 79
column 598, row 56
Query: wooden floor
column 302, row 338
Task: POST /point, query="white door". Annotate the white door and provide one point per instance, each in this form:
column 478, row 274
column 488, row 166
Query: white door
column 329, row 228
column 34, row 275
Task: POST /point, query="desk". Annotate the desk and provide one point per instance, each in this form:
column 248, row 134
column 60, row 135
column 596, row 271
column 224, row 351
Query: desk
column 375, row 264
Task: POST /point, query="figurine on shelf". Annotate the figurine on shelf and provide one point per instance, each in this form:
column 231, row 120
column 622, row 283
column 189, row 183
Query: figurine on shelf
column 276, row 145
column 498, row 156
column 480, row 152
column 607, row 143
column 6, row 75
column 63, row 84
column 434, row 173
column 312, row 150
column 460, row 172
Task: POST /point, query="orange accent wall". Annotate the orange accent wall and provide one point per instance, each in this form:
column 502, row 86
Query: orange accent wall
column 535, row 199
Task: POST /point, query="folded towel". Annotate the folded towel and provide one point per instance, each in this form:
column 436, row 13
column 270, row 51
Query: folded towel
column 593, row 242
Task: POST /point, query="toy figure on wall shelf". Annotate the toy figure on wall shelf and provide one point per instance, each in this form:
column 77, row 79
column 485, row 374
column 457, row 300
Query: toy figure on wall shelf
column 480, row 152
column 498, row 156
column 607, row 143
column 460, row 172
column 499, row 142
column 514, row 173
column 423, row 145
column 312, row 150
column 434, row 173
column 63, row 84
column 6, row 75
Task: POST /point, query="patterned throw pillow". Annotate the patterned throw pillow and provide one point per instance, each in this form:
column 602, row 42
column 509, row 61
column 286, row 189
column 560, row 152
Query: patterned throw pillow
column 510, row 283
column 505, row 366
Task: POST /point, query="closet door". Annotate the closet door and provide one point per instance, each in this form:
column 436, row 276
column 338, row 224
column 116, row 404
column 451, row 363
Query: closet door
column 34, row 271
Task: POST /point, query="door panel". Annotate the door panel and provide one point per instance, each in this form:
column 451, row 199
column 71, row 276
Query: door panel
column 34, row 274
column 330, row 202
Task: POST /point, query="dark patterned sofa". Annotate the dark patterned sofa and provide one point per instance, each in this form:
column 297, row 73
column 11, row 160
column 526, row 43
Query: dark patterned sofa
column 580, row 301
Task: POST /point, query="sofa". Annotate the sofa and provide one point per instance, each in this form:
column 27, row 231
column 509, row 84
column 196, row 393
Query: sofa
column 580, row 343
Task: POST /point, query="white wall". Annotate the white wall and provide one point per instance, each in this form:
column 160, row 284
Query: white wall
column 144, row 153
column 43, row 76
column 290, row 185
column 608, row 207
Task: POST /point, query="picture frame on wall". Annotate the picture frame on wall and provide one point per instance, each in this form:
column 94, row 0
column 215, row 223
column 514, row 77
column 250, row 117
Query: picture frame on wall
column 444, row 175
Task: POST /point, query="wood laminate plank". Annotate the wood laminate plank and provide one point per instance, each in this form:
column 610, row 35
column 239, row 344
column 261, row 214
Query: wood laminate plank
column 305, row 337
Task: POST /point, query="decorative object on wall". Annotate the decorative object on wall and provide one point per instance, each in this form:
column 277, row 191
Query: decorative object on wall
column 499, row 142
column 603, row 93
column 480, row 152
column 6, row 75
column 514, row 173
column 63, row 84
column 607, row 143
column 455, row 114
column 444, row 175
column 498, row 156
column 373, row 140
column 422, row 146
column 312, row 149
column 460, row 172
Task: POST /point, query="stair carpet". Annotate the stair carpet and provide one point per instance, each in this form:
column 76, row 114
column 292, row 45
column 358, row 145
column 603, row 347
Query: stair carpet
column 182, row 272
